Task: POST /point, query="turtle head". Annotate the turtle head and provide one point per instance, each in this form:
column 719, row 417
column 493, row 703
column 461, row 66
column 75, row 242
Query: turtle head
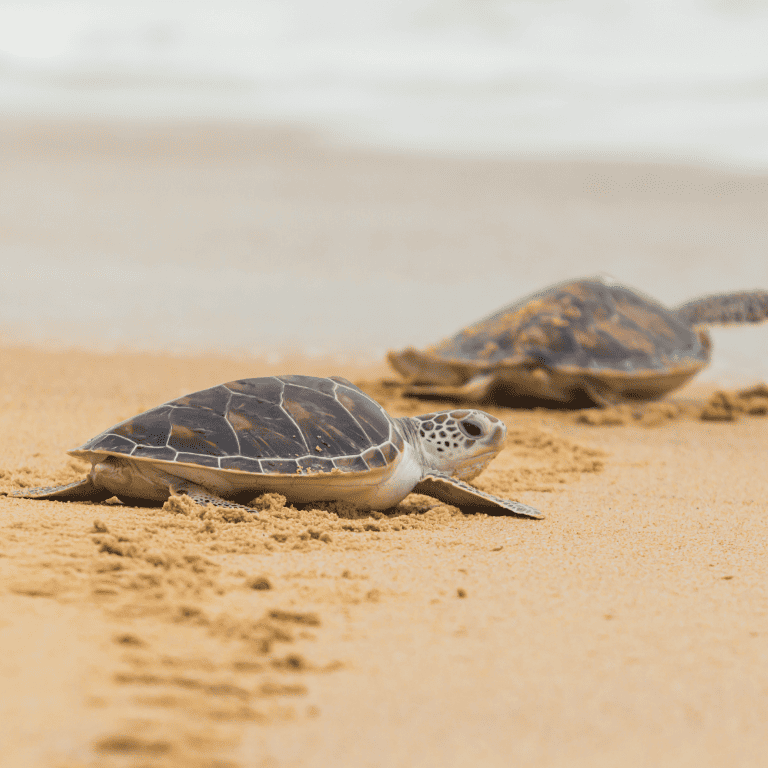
column 460, row 443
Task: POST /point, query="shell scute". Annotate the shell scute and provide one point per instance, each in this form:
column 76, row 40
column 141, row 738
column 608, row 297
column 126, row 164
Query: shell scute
column 198, row 458
column 389, row 452
column 345, row 382
column 196, row 430
column 316, row 464
column 214, row 399
column 241, row 463
column 351, row 464
column 268, row 389
column 368, row 414
column 374, row 458
column 159, row 454
column 150, row 428
column 110, row 442
column 654, row 323
column 280, row 466
column 324, row 422
column 326, row 386
column 264, row 432
column 604, row 349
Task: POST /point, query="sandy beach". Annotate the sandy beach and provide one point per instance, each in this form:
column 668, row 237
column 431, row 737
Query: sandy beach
column 628, row 627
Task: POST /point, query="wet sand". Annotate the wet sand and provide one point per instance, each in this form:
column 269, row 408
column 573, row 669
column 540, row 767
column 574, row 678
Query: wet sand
column 630, row 626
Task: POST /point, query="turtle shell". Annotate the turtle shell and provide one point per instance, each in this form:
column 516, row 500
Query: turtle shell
column 590, row 326
column 273, row 425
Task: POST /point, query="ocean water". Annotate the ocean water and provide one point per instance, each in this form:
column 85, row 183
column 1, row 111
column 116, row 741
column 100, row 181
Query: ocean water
column 666, row 80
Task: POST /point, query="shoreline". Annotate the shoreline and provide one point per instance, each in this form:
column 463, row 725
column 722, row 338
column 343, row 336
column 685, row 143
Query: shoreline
column 299, row 133
column 253, row 240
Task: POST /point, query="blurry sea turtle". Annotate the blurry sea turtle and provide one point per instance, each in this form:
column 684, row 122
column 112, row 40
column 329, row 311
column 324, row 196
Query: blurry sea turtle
column 592, row 340
column 310, row 439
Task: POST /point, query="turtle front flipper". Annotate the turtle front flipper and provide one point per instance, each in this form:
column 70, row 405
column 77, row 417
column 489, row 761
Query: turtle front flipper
column 453, row 491
column 742, row 307
column 201, row 496
column 473, row 391
column 80, row 490
column 599, row 394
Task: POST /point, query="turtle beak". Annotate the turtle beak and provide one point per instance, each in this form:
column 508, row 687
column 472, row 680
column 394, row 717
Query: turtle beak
column 497, row 432
column 471, row 468
column 493, row 442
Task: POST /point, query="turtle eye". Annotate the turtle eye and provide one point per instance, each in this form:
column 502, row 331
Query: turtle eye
column 471, row 428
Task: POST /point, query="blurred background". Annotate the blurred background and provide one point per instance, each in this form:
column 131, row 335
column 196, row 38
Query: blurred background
column 288, row 177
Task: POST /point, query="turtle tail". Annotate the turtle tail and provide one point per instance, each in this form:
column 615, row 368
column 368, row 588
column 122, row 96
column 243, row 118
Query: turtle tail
column 742, row 307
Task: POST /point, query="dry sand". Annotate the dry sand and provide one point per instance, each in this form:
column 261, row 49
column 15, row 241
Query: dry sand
column 629, row 627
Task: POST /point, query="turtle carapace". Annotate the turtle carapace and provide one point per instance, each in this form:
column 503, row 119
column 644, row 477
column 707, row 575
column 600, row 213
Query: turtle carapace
column 592, row 340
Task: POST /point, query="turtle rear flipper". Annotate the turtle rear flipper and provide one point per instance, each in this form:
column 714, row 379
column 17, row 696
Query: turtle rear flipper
column 80, row 490
column 742, row 307
column 203, row 497
column 453, row 491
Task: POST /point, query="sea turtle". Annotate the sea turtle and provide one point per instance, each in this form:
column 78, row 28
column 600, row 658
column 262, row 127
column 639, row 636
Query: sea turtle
column 592, row 338
column 310, row 439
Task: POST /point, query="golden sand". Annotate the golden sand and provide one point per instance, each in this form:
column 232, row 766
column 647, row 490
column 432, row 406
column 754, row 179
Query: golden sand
column 629, row 627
